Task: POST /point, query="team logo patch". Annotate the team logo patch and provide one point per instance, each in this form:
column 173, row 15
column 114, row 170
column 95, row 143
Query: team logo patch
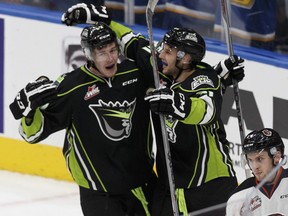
column 91, row 92
column 254, row 203
column 192, row 37
column 201, row 80
column 267, row 132
column 114, row 118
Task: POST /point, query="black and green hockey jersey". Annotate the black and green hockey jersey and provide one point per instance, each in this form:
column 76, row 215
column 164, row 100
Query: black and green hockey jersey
column 197, row 151
column 198, row 144
column 108, row 141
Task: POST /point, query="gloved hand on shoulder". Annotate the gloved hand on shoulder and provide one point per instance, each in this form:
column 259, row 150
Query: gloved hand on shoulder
column 168, row 102
column 231, row 68
column 86, row 14
column 36, row 94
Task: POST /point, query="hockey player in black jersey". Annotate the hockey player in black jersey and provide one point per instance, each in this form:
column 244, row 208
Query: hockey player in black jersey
column 203, row 169
column 266, row 192
column 191, row 101
column 108, row 141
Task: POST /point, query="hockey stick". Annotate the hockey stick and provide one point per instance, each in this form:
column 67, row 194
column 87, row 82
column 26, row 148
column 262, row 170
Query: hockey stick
column 149, row 15
column 226, row 22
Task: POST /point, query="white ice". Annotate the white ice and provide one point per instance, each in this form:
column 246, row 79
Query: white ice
column 26, row 195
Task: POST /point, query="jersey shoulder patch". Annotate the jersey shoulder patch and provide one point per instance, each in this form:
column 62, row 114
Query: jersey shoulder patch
column 201, row 80
column 71, row 80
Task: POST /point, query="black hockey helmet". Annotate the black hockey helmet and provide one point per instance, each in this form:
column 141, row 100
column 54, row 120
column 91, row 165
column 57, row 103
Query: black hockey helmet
column 186, row 40
column 96, row 36
column 264, row 139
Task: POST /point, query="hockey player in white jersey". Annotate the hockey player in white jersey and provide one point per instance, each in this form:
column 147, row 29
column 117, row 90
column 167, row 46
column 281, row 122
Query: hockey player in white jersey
column 266, row 192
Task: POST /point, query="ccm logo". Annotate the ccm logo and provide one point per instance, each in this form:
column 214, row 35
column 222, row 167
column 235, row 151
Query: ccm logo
column 129, row 82
column 284, row 196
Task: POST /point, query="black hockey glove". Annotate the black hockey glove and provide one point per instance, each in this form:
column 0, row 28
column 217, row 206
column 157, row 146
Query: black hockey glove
column 85, row 14
column 231, row 68
column 168, row 102
column 36, row 94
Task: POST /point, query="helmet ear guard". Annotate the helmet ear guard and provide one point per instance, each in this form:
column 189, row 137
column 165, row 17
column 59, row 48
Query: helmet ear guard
column 180, row 54
column 273, row 151
column 88, row 54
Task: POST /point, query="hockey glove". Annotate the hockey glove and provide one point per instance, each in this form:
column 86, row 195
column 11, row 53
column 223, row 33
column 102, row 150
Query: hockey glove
column 85, row 14
column 36, row 94
column 231, row 68
column 168, row 102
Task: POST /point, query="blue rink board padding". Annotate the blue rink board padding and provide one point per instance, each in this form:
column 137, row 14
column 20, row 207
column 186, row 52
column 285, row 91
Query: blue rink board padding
column 250, row 53
column 1, row 75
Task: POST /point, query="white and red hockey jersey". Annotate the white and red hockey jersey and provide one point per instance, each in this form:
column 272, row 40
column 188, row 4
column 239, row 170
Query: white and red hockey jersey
column 270, row 199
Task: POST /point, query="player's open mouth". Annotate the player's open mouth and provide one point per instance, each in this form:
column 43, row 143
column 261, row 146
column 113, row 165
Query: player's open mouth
column 164, row 64
column 110, row 67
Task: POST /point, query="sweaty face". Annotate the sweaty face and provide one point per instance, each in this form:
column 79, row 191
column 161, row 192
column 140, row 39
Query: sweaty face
column 260, row 163
column 168, row 57
column 105, row 60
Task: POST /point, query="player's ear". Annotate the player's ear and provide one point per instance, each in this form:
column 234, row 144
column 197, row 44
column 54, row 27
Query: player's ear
column 186, row 59
column 276, row 158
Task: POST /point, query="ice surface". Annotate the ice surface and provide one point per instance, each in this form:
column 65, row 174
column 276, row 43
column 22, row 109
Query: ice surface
column 26, row 195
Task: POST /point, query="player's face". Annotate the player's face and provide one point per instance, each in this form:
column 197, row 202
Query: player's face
column 260, row 163
column 168, row 57
column 105, row 59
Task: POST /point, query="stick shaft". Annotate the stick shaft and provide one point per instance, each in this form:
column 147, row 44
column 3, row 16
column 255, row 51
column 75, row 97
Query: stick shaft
column 149, row 15
column 226, row 22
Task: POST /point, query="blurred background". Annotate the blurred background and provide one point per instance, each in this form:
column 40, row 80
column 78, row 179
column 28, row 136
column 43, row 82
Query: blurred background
column 257, row 23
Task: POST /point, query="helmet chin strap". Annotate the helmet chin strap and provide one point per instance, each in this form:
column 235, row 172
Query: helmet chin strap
column 94, row 66
column 88, row 55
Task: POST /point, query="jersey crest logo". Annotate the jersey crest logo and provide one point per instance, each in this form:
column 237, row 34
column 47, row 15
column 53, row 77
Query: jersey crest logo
column 92, row 91
column 201, row 80
column 254, row 203
column 114, row 118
